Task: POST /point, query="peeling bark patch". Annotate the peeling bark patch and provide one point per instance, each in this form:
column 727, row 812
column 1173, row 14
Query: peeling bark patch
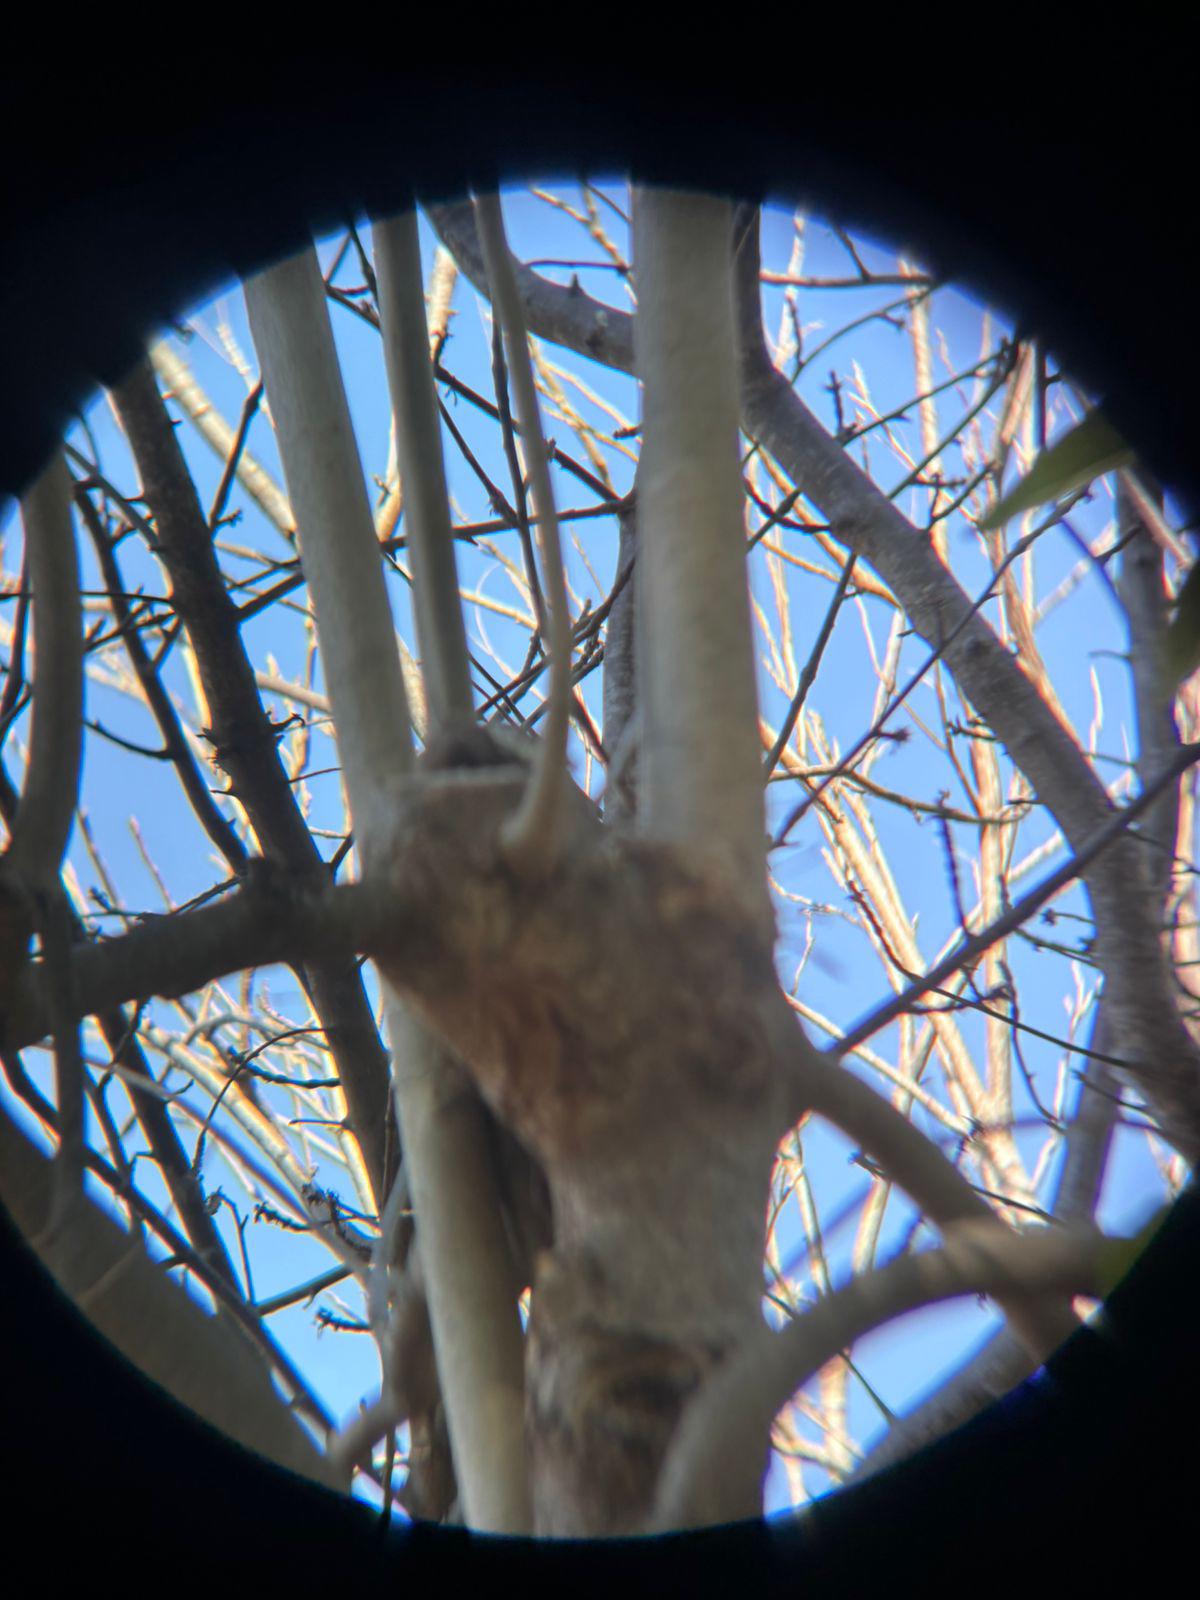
column 602, row 1408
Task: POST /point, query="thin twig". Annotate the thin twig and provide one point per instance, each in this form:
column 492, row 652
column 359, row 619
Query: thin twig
column 969, row 950
column 934, row 656
column 811, row 667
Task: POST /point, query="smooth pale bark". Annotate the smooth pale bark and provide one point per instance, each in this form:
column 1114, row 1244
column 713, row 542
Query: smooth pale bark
column 339, row 550
column 175, row 375
column 418, row 430
column 700, row 776
column 459, row 1233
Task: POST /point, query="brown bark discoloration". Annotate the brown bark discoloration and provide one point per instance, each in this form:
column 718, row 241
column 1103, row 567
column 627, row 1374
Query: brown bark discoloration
column 610, row 1017
column 603, row 1406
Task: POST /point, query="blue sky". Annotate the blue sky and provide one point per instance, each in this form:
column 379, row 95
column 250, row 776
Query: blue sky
column 1080, row 639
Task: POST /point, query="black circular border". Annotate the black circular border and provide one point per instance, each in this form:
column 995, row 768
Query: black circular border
column 138, row 187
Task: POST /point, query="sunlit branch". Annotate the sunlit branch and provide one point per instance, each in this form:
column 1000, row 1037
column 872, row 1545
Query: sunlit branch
column 216, row 432
column 339, row 549
column 440, row 631
column 463, row 1249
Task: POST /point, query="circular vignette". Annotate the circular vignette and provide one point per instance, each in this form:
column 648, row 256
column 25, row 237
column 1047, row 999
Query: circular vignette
column 152, row 219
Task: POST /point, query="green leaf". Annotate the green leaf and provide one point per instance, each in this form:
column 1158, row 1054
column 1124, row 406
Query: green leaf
column 1117, row 1256
column 1091, row 449
column 1181, row 642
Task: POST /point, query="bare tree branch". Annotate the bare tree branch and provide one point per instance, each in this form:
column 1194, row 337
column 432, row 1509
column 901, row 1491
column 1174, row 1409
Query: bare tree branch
column 909, row 1159
column 567, row 316
column 715, row 1468
column 1147, row 1031
column 48, row 796
column 534, row 837
column 974, row 945
column 620, row 679
column 270, row 919
column 339, row 550
column 1003, row 1361
column 418, row 433
column 181, row 384
column 30, row 868
column 476, row 1330
column 701, row 772
column 191, row 779
column 244, row 739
